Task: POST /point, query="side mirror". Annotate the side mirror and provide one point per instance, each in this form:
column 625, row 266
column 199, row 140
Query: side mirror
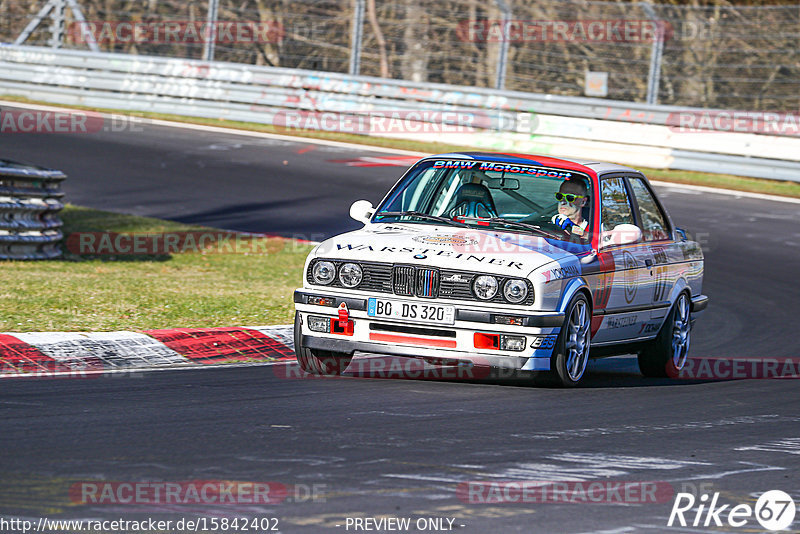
column 362, row 211
column 681, row 234
column 623, row 234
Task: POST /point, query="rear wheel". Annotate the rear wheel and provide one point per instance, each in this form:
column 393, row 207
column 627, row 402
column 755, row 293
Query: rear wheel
column 666, row 354
column 571, row 353
column 315, row 361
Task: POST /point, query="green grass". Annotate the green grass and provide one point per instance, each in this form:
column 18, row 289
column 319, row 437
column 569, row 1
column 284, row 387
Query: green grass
column 726, row 181
column 90, row 293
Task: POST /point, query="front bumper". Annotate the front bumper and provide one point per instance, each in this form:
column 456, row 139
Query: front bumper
column 448, row 344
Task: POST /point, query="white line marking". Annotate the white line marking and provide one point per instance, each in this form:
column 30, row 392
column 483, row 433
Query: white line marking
column 728, row 473
column 620, row 530
column 371, row 148
column 230, row 131
column 729, row 192
column 789, row 445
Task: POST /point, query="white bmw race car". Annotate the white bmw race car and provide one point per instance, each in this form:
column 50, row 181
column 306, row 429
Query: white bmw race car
column 505, row 260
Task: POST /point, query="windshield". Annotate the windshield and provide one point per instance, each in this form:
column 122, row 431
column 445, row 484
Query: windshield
column 518, row 198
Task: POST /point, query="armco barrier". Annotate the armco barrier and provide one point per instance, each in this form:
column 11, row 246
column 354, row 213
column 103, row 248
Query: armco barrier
column 29, row 204
column 625, row 132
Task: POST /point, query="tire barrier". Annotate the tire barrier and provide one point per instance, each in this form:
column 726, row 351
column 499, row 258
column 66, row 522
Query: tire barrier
column 30, row 199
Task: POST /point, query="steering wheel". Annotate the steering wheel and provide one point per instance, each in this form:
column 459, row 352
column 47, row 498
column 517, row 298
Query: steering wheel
column 545, row 221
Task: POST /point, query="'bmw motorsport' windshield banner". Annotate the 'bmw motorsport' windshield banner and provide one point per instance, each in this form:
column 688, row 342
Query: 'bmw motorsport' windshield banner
column 485, row 166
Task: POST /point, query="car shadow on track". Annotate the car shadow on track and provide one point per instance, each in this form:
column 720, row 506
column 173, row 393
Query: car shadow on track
column 613, row 372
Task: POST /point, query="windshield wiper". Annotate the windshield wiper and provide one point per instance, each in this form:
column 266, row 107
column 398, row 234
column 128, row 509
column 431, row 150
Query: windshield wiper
column 526, row 226
column 421, row 215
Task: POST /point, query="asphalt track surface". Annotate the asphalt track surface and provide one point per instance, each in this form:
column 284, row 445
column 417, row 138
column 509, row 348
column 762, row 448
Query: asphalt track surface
column 387, row 447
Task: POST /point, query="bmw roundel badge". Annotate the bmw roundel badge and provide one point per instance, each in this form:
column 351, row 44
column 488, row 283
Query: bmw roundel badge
column 420, row 256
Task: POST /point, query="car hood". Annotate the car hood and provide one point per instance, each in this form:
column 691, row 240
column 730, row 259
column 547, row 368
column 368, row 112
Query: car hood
column 490, row 251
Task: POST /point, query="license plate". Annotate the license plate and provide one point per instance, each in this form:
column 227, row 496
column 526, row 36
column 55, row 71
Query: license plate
column 412, row 311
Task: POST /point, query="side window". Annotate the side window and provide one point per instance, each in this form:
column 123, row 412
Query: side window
column 654, row 223
column 616, row 204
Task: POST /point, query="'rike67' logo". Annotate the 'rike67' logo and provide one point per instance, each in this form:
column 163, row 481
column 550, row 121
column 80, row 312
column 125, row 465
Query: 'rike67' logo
column 774, row 510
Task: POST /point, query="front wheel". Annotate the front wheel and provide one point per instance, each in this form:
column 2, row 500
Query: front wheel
column 666, row 354
column 571, row 353
column 318, row 362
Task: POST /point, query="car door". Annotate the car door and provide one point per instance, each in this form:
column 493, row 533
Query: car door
column 668, row 257
column 630, row 297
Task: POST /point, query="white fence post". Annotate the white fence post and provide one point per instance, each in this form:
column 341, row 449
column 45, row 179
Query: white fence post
column 357, row 36
column 211, row 31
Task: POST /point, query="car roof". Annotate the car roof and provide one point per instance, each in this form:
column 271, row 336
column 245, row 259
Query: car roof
column 591, row 167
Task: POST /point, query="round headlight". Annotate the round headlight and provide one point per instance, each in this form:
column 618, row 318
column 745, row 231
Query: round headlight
column 485, row 287
column 515, row 291
column 323, row 272
column 350, row 274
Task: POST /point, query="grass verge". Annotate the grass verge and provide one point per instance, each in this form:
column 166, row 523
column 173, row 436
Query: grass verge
column 725, row 181
column 127, row 292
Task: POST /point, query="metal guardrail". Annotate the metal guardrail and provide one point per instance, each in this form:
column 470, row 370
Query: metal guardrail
column 30, row 228
column 260, row 94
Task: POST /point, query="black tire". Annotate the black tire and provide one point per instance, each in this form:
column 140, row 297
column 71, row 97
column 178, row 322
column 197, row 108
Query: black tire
column 318, row 362
column 666, row 355
column 564, row 370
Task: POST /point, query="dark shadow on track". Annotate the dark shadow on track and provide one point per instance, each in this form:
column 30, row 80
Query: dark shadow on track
column 606, row 373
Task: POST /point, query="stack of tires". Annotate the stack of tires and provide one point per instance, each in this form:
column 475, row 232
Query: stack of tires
column 30, row 199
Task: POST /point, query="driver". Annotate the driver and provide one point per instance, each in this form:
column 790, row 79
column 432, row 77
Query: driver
column 572, row 197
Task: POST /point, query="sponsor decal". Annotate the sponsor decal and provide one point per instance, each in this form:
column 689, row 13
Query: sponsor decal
column 621, row 322
column 448, row 239
column 629, row 263
column 544, row 342
column 605, row 279
column 691, row 251
column 649, row 328
column 560, row 273
column 393, row 229
column 661, row 284
column 503, row 167
column 659, row 255
column 456, row 278
column 472, row 258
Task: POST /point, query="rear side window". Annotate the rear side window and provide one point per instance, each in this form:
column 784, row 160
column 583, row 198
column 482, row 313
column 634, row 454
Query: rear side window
column 654, row 222
column 616, row 204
